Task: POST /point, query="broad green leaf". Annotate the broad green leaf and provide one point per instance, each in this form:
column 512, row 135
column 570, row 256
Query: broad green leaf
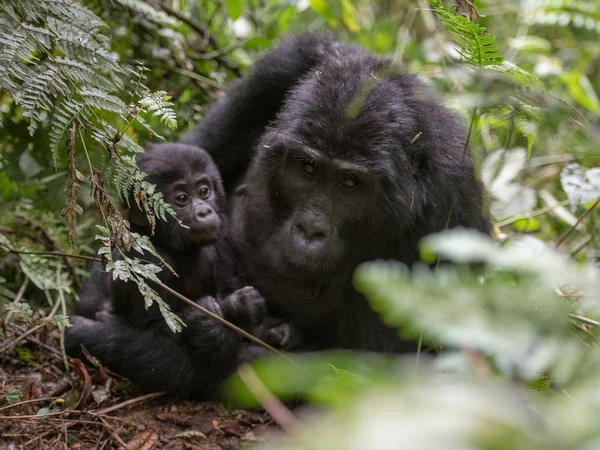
column 581, row 90
column 234, row 8
column 349, row 16
column 322, row 8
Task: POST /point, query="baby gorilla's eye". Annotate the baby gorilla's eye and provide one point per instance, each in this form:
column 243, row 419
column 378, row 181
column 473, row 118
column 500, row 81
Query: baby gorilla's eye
column 349, row 182
column 309, row 167
column 182, row 199
column 204, row 192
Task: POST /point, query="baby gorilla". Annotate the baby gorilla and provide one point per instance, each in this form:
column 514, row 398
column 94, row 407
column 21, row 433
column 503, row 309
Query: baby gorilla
column 111, row 321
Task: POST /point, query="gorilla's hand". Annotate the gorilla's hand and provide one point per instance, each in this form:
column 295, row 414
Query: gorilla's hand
column 203, row 332
column 245, row 308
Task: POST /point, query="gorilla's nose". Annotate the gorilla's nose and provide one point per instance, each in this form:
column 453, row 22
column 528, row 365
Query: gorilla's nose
column 204, row 212
column 312, row 227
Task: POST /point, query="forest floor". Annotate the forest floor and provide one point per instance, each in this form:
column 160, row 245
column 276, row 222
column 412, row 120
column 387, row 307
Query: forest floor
column 44, row 406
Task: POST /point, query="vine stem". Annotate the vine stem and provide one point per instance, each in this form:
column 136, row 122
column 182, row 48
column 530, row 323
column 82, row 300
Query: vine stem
column 583, row 216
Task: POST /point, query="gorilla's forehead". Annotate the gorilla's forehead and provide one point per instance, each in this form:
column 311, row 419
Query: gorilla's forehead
column 357, row 110
column 167, row 162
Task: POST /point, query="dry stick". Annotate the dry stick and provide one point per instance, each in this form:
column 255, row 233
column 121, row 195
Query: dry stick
column 278, row 411
column 52, row 253
column 42, row 416
column 582, row 246
column 25, row 402
column 583, row 216
column 126, row 403
column 220, row 319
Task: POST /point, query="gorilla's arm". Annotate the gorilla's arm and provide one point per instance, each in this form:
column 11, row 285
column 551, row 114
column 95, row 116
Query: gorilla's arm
column 233, row 125
column 96, row 294
column 153, row 360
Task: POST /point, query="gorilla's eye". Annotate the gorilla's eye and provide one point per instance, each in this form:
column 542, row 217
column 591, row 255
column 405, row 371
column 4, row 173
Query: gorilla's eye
column 309, row 167
column 204, row 192
column 182, row 199
column 349, row 182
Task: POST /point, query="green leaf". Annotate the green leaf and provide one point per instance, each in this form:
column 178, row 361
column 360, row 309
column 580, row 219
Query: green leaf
column 581, row 90
column 349, row 16
column 476, row 45
column 527, row 225
column 13, row 396
column 322, row 8
column 234, row 8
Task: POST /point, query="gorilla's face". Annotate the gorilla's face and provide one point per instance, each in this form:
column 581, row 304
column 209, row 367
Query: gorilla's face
column 329, row 185
column 322, row 204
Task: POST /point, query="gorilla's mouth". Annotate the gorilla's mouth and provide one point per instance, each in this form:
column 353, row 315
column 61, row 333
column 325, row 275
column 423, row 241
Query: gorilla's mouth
column 310, row 261
column 202, row 235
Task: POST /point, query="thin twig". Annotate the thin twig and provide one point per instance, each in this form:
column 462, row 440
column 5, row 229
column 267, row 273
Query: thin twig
column 587, row 242
column 10, row 344
column 61, row 327
column 25, row 402
column 202, row 32
column 133, row 401
column 51, row 253
column 41, row 416
column 220, row 319
column 17, row 299
column 539, row 212
column 200, row 78
column 583, row 216
column 278, row 411
column 585, row 320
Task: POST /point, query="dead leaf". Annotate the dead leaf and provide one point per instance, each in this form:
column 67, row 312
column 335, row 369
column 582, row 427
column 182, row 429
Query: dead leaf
column 84, row 377
column 235, row 429
column 190, row 434
column 171, row 417
column 35, row 386
column 144, row 440
column 191, row 446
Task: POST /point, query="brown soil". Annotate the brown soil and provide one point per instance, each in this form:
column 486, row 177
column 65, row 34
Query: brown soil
column 89, row 408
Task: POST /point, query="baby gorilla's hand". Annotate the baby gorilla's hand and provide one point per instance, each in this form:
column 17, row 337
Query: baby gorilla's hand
column 245, row 308
column 205, row 333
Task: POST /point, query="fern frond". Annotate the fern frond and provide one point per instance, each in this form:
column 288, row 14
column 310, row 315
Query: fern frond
column 76, row 44
column 66, row 112
column 39, row 93
column 158, row 103
column 149, row 12
column 106, row 136
column 17, row 46
column 86, row 76
column 100, row 99
column 71, row 12
column 476, row 44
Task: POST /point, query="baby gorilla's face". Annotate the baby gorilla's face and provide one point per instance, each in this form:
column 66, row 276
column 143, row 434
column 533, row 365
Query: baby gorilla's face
column 189, row 180
column 193, row 199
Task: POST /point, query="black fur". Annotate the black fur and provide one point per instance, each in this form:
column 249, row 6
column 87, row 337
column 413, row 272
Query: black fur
column 349, row 114
column 111, row 321
column 342, row 159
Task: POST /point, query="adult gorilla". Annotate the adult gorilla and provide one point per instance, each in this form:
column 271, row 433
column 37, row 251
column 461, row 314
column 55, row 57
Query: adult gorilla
column 344, row 159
